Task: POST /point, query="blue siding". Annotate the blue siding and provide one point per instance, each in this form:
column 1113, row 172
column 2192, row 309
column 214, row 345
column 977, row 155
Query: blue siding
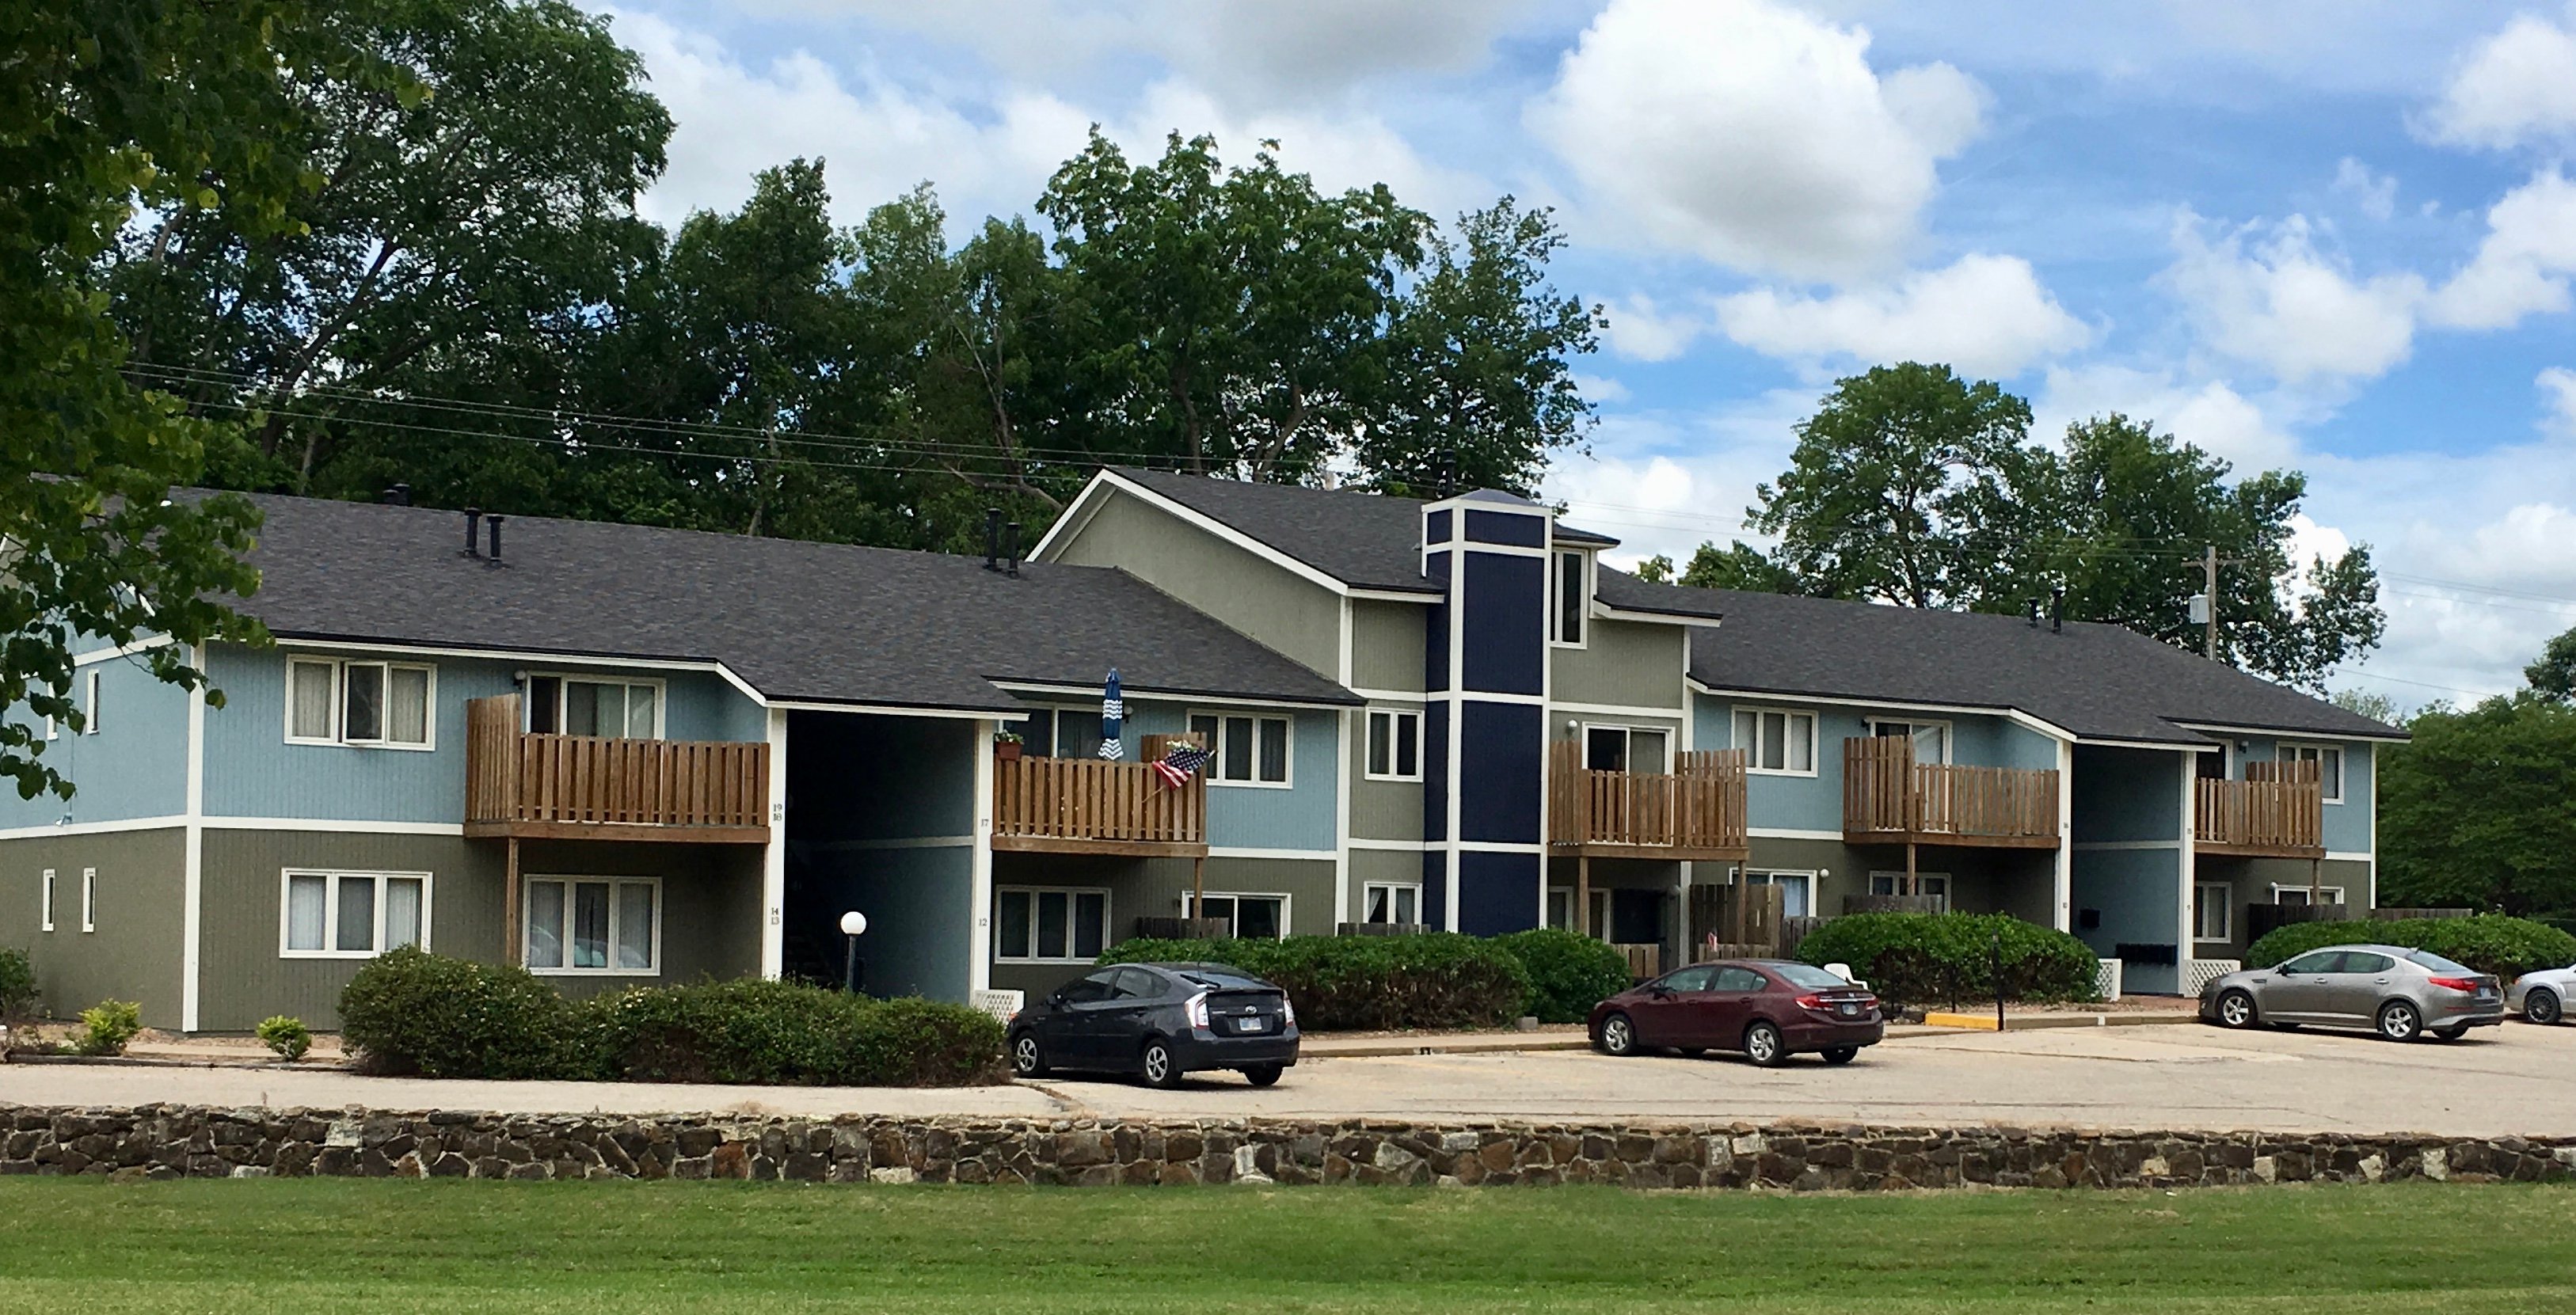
column 1499, row 770
column 1497, row 893
column 1504, row 646
column 1815, row 803
column 2135, row 897
column 2347, row 824
column 136, row 766
column 1260, row 817
column 1517, row 529
column 2127, row 795
column 251, row 771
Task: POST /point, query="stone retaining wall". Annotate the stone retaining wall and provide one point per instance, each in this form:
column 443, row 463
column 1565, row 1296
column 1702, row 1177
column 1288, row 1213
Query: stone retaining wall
column 159, row 1142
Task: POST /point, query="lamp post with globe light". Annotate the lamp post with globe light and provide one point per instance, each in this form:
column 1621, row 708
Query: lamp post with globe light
column 852, row 924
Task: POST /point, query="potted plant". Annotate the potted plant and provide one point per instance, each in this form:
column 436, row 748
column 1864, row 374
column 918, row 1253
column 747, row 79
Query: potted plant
column 1006, row 747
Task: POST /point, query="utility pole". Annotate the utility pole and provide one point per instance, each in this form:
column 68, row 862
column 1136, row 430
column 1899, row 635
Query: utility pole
column 2209, row 590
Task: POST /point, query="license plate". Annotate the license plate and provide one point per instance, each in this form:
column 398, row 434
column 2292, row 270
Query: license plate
column 1250, row 1025
column 1850, row 1011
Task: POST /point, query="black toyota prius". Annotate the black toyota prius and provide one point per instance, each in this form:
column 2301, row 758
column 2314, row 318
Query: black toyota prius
column 1159, row 1020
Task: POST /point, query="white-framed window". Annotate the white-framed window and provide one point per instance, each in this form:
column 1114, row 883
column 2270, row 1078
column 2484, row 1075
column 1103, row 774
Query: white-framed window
column 1560, row 910
column 1931, row 738
column 1777, row 741
column 89, row 701
column 1049, row 924
column 606, row 925
column 1248, row 916
column 2213, row 911
column 1393, row 902
column 1640, row 749
column 2329, row 761
column 324, row 914
column 1394, row 745
column 611, row 707
column 1797, row 890
column 1570, row 582
column 45, row 900
column 89, row 899
column 1251, row 749
column 2298, row 895
column 2215, row 764
column 1061, row 733
column 1934, row 884
column 381, row 705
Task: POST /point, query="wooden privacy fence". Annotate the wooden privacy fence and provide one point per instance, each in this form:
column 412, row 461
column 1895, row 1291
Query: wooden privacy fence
column 1744, row 919
column 2279, row 810
column 1700, row 806
column 517, row 782
column 1099, row 806
column 1886, row 794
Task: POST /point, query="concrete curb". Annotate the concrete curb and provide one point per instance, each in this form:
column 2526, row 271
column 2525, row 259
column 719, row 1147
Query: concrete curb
column 1379, row 1048
column 2037, row 1022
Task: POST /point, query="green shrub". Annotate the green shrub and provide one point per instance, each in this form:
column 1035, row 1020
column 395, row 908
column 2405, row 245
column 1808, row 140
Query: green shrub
column 409, row 1011
column 1935, row 958
column 1569, row 972
column 912, row 1042
column 2489, row 942
column 17, row 983
column 1344, row 983
column 287, row 1036
column 107, row 1026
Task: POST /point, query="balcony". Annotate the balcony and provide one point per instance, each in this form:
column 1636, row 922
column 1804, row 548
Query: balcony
column 1093, row 806
column 584, row 787
column 2278, row 813
column 1694, row 813
column 1890, row 799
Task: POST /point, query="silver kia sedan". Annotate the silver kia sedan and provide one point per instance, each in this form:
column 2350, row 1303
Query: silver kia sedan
column 2392, row 990
column 2541, row 997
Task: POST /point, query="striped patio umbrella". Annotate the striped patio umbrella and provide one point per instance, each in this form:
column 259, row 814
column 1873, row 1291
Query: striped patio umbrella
column 1113, row 711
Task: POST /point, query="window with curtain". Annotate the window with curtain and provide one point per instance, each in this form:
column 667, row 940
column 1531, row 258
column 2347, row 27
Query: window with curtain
column 353, row 915
column 1250, row 749
column 1782, row 742
column 593, row 925
column 1394, row 902
column 1625, row 749
column 1931, row 738
column 1247, row 917
column 578, row 705
column 330, row 701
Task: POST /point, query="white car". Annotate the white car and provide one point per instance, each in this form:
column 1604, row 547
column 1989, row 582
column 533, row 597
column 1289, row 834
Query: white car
column 2541, row 997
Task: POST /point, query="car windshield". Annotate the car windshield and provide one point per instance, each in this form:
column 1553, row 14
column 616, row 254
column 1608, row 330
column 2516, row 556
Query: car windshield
column 2428, row 959
column 1800, row 974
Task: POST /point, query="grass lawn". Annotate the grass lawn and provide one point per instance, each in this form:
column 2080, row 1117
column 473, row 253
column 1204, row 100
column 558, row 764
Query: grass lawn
column 253, row 1248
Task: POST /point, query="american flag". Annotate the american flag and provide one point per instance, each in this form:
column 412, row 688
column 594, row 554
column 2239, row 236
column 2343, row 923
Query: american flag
column 1180, row 763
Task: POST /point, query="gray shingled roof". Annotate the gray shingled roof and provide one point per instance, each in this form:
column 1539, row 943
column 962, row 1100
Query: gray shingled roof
column 2097, row 681
column 816, row 622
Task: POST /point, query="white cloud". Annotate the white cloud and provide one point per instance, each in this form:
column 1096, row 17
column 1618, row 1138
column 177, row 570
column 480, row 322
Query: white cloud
column 2283, row 305
column 2522, row 266
column 1341, row 150
column 2517, row 87
column 2558, row 385
column 1753, row 135
column 1599, row 389
column 1643, row 331
column 1985, row 315
column 2206, row 413
column 2374, row 194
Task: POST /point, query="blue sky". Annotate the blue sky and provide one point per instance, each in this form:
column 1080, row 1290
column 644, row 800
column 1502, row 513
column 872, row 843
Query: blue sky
column 2331, row 236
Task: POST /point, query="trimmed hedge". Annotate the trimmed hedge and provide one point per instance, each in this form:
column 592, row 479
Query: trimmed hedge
column 2489, row 942
column 414, row 1012
column 1935, row 958
column 1569, row 973
column 1367, row 983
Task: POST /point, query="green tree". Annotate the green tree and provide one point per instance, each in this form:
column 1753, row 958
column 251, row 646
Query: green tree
column 2478, row 809
column 2368, row 703
column 2554, row 675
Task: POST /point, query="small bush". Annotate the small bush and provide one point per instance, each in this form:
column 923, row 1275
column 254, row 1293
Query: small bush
column 287, row 1036
column 1349, row 983
column 1933, row 958
column 107, row 1026
column 409, row 1011
column 912, row 1042
column 2489, row 942
column 17, row 983
column 1569, row 973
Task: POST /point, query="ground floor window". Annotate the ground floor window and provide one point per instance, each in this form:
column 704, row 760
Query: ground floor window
column 1396, row 902
column 1560, row 910
column 594, row 925
column 1797, row 890
column 2298, row 895
column 1247, row 917
column 2213, row 911
column 1037, row 925
column 352, row 915
column 1934, row 884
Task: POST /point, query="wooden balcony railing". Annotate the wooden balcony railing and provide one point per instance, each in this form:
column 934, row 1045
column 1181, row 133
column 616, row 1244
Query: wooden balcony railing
column 585, row 787
column 1696, row 812
column 2279, row 813
column 1888, row 798
column 1093, row 806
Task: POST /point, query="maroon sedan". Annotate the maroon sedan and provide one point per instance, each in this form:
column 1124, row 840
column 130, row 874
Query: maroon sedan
column 1768, row 1008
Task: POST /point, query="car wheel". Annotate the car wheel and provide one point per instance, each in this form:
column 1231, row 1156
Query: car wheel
column 1263, row 1075
column 2236, row 1008
column 1762, row 1045
column 1161, row 1068
column 1618, row 1036
column 1841, row 1054
column 2452, row 1033
column 1027, row 1060
column 2541, row 1006
column 2399, row 1020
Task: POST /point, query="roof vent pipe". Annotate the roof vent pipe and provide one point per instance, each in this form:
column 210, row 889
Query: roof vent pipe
column 2057, row 610
column 1011, row 547
column 473, row 530
column 2034, row 614
column 495, row 523
column 992, row 538
column 397, row 495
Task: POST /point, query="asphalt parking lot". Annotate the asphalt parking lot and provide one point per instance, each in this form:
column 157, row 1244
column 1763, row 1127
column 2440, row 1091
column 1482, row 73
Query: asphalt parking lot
column 2513, row 1079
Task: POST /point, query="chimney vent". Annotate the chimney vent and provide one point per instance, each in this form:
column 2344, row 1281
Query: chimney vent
column 398, row 495
column 992, row 538
column 1011, row 547
column 473, row 532
column 2057, row 610
column 495, row 523
column 2034, row 614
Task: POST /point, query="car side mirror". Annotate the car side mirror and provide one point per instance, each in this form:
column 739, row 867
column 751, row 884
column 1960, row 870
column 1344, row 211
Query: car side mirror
column 1056, row 998
column 1660, row 992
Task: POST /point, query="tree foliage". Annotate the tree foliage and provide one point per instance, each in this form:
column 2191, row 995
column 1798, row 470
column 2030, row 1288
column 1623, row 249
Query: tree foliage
column 2478, row 808
column 2554, row 675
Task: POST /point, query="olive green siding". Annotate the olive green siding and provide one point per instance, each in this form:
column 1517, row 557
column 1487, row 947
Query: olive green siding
column 2250, row 881
column 1297, row 617
column 1625, row 663
column 1152, row 888
column 2021, row 882
column 1400, row 866
column 1563, row 725
column 1386, row 645
column 1386, row 810
column 137, row 952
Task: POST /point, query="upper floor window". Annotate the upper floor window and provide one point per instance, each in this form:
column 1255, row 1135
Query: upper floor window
column 346, row 701
column 89, row 701
column 1625, row 749
column 1931, row 738
column 1782, row 742
column 1250, row 750
column 1572, row 587
column 1394, row 745
column 589, row 705
column 1062, row 733
column 2329, row 762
